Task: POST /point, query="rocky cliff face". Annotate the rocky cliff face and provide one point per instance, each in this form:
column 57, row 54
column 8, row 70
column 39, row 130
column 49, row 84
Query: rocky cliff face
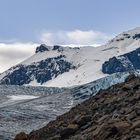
column 41, row 71
column 76, row 66
column 127, row 62
column 113, row 114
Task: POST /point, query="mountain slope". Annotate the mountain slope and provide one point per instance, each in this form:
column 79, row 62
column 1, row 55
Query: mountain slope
column 64, row 66
column 112, row 114
column 26, row 114
column 127, row 62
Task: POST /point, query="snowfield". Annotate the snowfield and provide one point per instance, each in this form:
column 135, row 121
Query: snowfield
column 87, row 60
column 22, row 97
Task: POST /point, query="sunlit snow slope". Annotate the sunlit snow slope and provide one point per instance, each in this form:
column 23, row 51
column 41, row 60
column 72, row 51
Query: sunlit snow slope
column 59, row 66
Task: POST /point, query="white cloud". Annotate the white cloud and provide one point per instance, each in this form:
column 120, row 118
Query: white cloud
column 12, row 54
column 77, row 37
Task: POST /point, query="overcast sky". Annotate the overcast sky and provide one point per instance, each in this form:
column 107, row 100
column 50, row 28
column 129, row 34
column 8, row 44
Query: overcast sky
column 26, row 23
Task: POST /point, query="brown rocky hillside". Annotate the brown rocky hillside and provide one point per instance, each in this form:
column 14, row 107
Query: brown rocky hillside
column 113, row 114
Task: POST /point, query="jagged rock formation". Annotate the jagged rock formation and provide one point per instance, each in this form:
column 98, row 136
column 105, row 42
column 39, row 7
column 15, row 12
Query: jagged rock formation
column 127, row 62
column 113, row 114
column 76, row 66
column 42, row 71
column 42, row 48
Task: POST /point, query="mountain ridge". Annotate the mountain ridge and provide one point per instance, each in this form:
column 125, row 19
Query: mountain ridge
column 81, row 65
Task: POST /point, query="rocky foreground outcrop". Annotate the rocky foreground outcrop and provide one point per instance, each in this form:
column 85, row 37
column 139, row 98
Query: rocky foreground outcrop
column 113, row 114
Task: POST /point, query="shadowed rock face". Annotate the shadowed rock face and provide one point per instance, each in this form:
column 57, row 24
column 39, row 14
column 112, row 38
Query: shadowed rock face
column 113, row 114
column 123, row 63
column 42, row 48
column 136, row 36
column 42, row 71
column 58, row 48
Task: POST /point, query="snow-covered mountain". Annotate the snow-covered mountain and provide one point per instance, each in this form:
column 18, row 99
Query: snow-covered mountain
column 59, row 66
column 27, row 107
column 126, row 62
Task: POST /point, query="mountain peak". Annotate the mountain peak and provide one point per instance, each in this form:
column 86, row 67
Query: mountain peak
column 60, row 66
column 42, row 48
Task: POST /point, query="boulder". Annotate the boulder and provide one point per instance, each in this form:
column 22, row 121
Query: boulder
column 136, row 124
column 70, row 130
column 82, row 120
column 21, row 136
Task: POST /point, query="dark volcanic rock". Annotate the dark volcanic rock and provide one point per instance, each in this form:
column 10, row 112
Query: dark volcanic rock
column 82, row 120
column 68, row 131
column 112, row 66
column 136, row 36
column 42, row 71
column 112, row 114
column 58, row 48
column 21, row 136
column 42, row 48
column 127, row 62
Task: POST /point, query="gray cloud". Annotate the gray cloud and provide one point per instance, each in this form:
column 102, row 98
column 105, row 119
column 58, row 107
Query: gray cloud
column 12, row 54
column 77, row 37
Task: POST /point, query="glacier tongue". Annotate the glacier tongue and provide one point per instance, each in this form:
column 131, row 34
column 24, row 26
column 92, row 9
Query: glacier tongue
column 26, row 115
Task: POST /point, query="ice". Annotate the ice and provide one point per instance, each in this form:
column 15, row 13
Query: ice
column 22, row 97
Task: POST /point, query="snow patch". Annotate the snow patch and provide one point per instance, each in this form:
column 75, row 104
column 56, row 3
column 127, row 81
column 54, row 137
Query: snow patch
column 22, row 97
